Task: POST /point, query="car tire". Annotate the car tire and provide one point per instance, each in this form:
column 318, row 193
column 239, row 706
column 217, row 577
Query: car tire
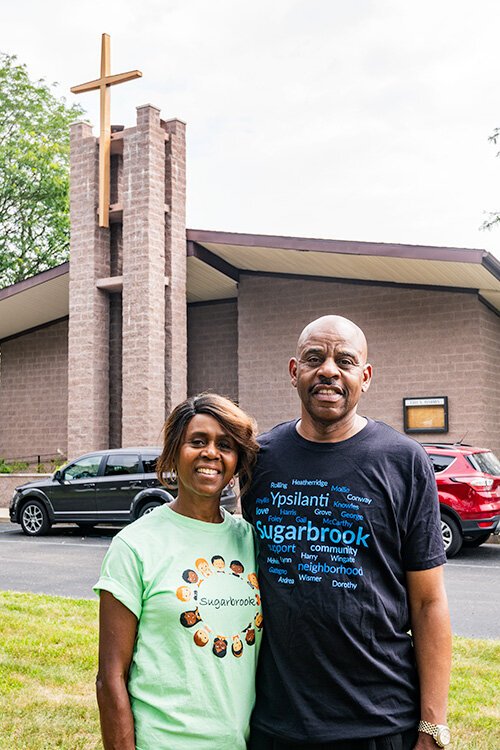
column 477, row 541
column 452, row 536
column 148, row 508
column 34, row 518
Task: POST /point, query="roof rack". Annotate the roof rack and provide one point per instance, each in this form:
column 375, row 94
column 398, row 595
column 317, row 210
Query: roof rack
column 447, row 445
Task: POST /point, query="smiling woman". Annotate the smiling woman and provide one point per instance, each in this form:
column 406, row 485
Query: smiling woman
column 237, row 427
column 160, row 598
column 205, row 464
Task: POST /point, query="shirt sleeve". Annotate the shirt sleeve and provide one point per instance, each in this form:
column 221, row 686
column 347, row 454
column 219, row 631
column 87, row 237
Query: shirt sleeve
column 121, row 575
column 423, row 542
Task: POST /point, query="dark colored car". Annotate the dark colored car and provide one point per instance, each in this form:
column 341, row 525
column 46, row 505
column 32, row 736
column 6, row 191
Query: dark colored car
column 113, row 486
column 468, row 482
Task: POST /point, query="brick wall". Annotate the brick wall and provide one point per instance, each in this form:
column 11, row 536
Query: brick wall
column 88, row 338
column 175, row 264
column 212, row 348
column 488, row 368
column 143, row 317
column 115, row 371
column 121, row 382
column 407, row 332
column 34, row 393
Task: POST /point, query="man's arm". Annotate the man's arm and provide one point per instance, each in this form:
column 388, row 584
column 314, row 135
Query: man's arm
column 430, row 624
column 117, row 632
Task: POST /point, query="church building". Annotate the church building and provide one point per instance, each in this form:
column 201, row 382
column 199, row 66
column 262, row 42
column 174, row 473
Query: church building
column 95, row 352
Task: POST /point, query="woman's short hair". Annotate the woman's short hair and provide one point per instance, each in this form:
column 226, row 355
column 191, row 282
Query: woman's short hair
column 238, row 425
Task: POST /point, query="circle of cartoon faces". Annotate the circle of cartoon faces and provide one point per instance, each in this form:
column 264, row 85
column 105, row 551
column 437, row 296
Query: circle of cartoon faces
column 203, row 634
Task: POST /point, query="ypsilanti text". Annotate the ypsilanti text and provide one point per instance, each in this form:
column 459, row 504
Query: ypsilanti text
column 299, row 498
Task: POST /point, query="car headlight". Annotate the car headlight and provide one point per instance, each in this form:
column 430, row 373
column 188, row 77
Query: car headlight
column 15, row 499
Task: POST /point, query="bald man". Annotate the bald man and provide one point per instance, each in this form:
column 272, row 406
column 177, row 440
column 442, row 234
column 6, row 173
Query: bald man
column 350, row 560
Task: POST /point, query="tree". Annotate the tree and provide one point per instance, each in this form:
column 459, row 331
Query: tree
column 493, row 216
column 34, row 173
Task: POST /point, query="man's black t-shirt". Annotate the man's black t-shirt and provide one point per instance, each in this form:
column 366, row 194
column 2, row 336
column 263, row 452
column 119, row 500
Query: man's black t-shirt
column 338, row 526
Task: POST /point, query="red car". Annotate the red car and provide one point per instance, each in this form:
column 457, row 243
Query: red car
column 468, row 481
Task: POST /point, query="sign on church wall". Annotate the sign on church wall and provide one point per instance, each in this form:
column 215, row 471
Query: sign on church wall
column 426, row 414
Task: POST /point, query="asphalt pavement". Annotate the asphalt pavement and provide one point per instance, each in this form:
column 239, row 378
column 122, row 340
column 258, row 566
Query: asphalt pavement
column 67, row 563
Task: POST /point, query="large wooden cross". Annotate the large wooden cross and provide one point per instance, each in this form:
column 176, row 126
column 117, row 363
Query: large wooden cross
column 103, row 84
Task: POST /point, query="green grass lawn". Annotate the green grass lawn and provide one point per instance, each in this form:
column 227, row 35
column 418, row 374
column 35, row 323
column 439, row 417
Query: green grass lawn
column 48, row 657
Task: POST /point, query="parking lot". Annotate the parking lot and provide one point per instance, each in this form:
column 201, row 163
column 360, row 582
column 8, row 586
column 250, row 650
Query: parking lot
column 67, row 563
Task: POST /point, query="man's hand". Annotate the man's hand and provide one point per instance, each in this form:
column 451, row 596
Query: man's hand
column 425, row 742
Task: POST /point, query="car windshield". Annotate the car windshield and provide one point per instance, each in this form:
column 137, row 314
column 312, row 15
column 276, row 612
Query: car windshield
column 486, row 462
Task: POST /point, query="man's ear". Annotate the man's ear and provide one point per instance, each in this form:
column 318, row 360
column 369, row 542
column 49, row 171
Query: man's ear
column 292, row 369
column 367, row 377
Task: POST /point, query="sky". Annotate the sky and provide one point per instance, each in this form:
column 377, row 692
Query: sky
column 341, row 119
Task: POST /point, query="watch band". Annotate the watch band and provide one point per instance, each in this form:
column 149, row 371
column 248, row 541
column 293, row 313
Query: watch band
column 439, row 732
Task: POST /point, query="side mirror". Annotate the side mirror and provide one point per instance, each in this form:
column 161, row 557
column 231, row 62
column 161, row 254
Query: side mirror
column 58, row 476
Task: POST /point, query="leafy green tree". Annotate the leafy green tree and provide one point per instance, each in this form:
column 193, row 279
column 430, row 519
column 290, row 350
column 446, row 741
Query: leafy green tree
column 34, row 173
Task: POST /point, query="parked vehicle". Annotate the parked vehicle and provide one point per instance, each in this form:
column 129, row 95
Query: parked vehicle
column 468, row 482
column 112, row 486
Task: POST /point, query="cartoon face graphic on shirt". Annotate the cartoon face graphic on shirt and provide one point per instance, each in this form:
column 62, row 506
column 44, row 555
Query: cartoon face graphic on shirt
column 220, row 646
column 201, row 637
column 253, row 581
column 190, row 576
column 258, row 620
column 219, row 563
column 250, row 637
column 183, row 593
column 190, row 618
column 203, row 567
column 237, row 567
column 237, row 646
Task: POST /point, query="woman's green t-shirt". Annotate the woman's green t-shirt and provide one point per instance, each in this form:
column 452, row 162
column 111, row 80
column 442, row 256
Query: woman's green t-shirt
column 193, row 588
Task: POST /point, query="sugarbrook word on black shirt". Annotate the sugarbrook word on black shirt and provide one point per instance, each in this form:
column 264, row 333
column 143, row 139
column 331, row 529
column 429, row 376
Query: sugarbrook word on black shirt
column 338, row 526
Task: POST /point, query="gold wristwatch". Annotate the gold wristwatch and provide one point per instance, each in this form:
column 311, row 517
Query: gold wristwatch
column 439, row 732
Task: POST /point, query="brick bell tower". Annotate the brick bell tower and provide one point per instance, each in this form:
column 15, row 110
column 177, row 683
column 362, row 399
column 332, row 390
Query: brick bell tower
column 127, row 361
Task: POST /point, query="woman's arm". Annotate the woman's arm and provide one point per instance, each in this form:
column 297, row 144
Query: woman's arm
column 117, row 632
